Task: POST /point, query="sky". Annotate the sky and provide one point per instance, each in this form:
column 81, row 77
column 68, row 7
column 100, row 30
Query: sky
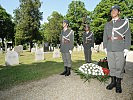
column 48, row 6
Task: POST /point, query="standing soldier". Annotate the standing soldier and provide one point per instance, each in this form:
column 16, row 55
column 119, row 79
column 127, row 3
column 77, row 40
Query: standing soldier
column 67, row 44
column 116, row 41
column 88, row 43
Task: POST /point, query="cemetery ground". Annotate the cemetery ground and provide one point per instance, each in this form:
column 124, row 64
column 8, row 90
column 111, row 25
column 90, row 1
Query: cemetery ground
column 39, row 80
column 30, row 70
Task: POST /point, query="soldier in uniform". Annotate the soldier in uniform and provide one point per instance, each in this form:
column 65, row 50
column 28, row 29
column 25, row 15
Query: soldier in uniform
column 88, row 43
column 116, row 42
column 67, row 44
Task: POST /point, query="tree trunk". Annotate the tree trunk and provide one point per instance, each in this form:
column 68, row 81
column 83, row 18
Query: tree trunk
column 3, row 45
column 31, row 45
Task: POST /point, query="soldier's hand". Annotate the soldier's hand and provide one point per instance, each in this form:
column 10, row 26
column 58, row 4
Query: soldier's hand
column 125, row 52
column 105, row 50
column 91, row 48
column 70, row 51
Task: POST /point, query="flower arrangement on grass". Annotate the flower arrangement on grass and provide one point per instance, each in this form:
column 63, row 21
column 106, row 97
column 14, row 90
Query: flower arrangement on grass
column 103, row 62
column 90, row 70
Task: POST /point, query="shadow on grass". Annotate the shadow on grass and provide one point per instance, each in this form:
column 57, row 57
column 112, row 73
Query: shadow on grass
column 19, row 74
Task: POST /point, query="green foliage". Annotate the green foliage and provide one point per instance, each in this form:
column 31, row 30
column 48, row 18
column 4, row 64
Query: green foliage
column 6, row 25
column 77, row 16
column 27, row 20
column 51, row 30
column 101, row 15
column 88, row 77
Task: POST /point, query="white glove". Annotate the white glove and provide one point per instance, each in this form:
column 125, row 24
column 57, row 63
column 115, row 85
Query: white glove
column 91, row 48
column 125, row 52
column 70, row 51
column 105, row 50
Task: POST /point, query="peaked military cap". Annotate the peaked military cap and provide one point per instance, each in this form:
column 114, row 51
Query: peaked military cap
column 66, row 21
column 115, row 7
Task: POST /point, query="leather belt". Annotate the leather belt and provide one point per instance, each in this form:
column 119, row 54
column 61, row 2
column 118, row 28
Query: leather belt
column 116, row 38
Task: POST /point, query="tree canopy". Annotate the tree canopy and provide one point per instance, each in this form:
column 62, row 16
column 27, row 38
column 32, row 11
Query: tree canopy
column 77, row 16
column 27, row 20
column 101, row 15
column 52, row 29
column 6, row 26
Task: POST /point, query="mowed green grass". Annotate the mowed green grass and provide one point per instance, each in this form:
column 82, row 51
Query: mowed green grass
column 29, row 70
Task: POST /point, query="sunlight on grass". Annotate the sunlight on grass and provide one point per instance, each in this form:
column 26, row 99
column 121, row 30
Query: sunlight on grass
column 30, row 70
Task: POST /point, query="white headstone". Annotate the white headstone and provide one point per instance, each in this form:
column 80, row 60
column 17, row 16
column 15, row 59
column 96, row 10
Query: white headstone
column 129, row 63
column 33, row 50
column 21, row 48
column 8, row 49
column 56, row 53
column 96, row 48
column 39, row 55
column 11, row 58
column 101, row 47
column 0, row 50
column 18, row 49
column 74, row 49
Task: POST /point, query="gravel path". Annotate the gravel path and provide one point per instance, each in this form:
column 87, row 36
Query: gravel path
column 59, row 87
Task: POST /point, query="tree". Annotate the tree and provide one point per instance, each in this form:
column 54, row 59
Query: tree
column 101, row 15
column 6, row 26
column 27, row 20
column 51, row 30
column 77, row 16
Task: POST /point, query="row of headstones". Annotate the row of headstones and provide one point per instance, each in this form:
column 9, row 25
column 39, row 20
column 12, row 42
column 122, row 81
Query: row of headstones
column 18, row 49
column 96, row 48
column 12, row 57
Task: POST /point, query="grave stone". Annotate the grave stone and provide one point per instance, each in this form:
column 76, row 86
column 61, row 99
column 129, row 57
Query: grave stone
column 56, row 53
column 11, row 58
column 129, row 63
column 33, row 50
column 39, row 55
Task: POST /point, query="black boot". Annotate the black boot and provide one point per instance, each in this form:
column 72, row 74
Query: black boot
column 112, row 84
column 118, row 85
column 65, row 71
column 68, row 71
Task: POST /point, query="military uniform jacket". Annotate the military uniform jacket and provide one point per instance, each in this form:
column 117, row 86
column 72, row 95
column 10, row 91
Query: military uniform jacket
column 67, row 40
column 117, row 35
column 88, row 40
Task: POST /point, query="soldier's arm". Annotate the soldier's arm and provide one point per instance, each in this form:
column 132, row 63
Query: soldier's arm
column 93, row 40
column 60, row 38
column 127, row 37
column 72, row 40
column 105, row 38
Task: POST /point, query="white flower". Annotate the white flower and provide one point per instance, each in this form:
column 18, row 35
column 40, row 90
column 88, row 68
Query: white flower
column 81, row 69
column 82, row 66
column 90, row 67
column 85, row 69
column 85, row 72
column 93, row 65
column 102, row 73
column 93, row 73
column 99, row 74
column 96, row 70
column 89, row 72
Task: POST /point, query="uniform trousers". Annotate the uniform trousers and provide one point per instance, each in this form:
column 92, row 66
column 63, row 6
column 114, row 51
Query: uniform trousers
column 116, row 63
column 66, row 57
column 87, row 54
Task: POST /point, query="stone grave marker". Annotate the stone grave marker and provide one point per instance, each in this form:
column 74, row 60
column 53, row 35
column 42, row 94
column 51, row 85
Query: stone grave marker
column 129, row 63
column 56, row 53
column 11, row 58
column 39, row 55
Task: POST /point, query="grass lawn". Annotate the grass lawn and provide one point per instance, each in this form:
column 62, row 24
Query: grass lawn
column 28, row 70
